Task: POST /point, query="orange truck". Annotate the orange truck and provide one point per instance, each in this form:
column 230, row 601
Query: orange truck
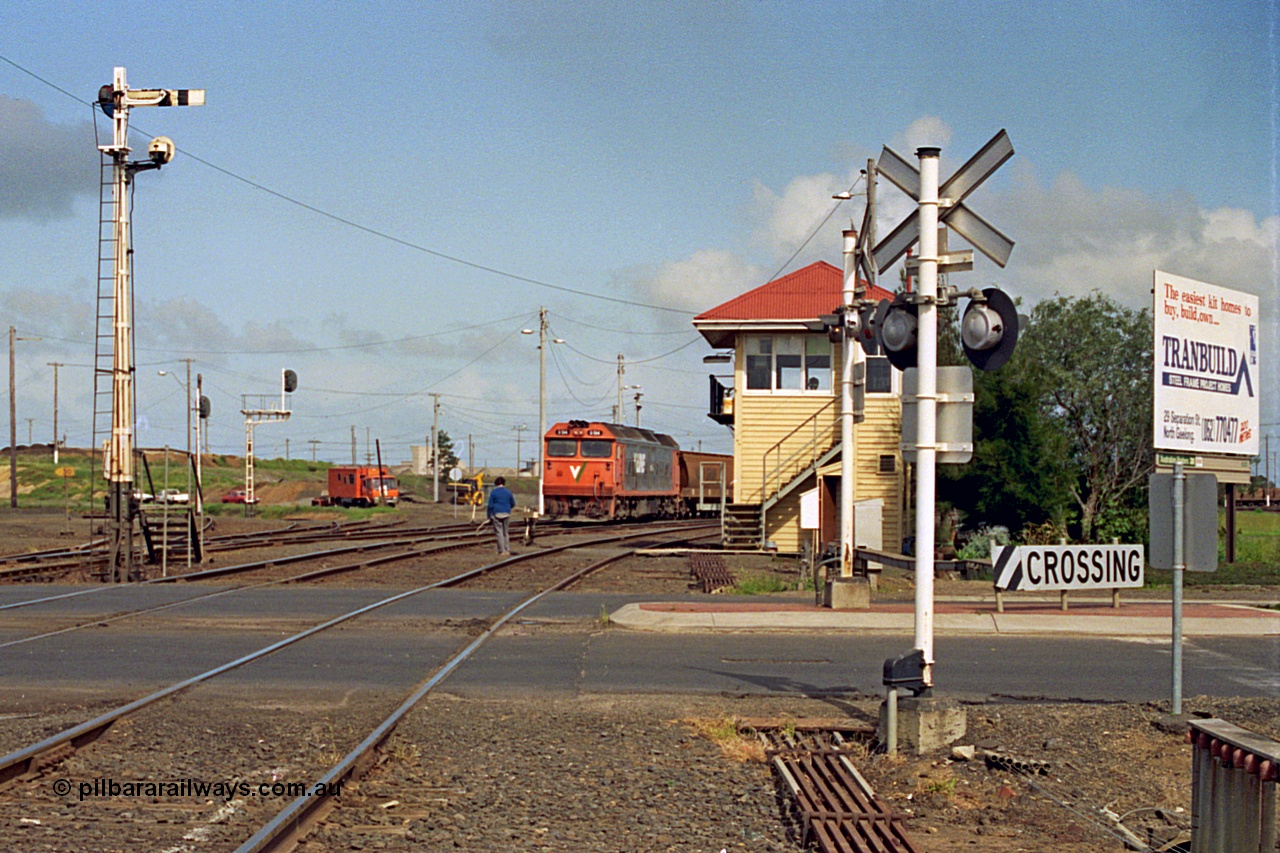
column 359, row 486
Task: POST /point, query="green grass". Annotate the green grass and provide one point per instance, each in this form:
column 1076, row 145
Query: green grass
column 761, row 585
column 39, row 486
column 1257, row 554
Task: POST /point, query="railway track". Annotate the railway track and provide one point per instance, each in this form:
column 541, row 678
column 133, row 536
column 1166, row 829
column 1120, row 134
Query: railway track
column 369, row 556
column 85, row 561
column 28, row 764
column 23, row 761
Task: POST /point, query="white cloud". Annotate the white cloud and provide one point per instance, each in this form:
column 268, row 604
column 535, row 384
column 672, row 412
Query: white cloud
column 924, row 131
column 1073, row 239
column 702, row 281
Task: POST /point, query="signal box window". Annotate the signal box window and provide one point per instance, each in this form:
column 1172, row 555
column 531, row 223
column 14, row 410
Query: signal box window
column 879, row 375
column 562, row 447
column 597, row 448
column 789, row 363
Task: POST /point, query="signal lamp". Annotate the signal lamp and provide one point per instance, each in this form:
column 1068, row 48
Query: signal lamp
column 896, row 322
column 989, row 330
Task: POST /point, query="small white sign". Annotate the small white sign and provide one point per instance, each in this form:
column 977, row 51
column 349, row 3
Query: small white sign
column 1050, row 567
column 1206, row 367
column 455, row 474
column 809, row 508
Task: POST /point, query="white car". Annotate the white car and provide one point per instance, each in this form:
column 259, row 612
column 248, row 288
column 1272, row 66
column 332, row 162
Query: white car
column 173, row 496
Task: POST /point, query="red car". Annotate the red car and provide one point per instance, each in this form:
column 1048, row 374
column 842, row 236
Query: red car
column 235, row 496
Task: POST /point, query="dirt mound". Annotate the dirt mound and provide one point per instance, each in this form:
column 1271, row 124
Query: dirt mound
column 288, row 492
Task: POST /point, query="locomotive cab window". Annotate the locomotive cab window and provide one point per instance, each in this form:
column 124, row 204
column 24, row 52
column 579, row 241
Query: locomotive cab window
column 787, row 363
column 562, row 447
column 595, row 448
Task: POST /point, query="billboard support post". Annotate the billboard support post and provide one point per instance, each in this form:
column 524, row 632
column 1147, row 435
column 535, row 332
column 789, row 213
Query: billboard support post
column 1179, row 569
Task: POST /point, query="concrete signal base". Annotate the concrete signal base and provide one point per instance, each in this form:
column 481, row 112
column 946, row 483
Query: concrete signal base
column 848, row 594
column 925, row 724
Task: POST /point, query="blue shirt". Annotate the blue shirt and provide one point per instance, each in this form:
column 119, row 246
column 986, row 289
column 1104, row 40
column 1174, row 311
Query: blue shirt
column 501, row 501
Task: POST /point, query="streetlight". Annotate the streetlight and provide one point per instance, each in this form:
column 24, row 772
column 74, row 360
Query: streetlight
column 186, row 387
column 639, row 389
column 542, row 403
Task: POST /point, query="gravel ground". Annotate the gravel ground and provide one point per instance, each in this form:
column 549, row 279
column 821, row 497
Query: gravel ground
column 585, row 772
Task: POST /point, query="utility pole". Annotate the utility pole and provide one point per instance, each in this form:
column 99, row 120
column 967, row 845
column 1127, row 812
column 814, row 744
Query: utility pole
column 617, row 410
column 190, row 404
column 849, row 351
column 286, row 449
column 639, row 394
column 435, row 447
column 368, row 453
column 13, row 418
column 542, row 405
column 519, row 431
column 55, row 365
column 353, row 444
column 471, row 455
column 31, row 426
column 313, row 442
column 198, row 497
column 13, row 423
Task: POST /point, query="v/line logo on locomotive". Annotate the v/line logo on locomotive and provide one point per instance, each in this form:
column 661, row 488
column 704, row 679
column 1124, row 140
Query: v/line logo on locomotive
column 604, row 471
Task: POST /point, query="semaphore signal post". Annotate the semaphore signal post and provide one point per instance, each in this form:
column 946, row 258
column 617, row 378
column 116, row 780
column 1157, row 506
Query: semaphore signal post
column 115, row 101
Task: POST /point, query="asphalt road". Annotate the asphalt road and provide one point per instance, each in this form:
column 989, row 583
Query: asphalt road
column 562, row 645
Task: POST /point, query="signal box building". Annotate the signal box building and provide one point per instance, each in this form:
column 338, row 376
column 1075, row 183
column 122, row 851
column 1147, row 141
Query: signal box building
column 782, row 401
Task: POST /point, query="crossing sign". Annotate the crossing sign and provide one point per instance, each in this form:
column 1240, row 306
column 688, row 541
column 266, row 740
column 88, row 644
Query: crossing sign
column 1055, row 567
column 984, row 236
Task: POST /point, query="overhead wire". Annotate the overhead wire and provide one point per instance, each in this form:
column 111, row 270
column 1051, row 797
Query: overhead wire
column 375, row 232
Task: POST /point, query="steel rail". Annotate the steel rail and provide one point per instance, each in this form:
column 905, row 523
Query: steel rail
column 24, row 760
column 284, row 830
column 224, row 570
column 305, row 576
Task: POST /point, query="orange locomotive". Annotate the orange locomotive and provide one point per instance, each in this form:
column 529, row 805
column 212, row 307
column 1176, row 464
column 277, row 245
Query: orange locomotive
column 611, row 471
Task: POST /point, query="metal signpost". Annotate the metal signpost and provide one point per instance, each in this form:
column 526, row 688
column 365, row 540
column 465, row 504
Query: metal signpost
column 937, row 205
column 1206, row 381
column 258, row 409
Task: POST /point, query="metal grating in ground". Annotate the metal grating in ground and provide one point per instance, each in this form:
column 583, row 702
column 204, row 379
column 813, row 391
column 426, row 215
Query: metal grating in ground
column 839, row 809
column 710, row 572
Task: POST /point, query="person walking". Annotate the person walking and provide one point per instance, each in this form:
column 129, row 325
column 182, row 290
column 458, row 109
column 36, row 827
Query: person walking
column 501, row 503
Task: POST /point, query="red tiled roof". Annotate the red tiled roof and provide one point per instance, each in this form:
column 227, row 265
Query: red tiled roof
column 802, row 295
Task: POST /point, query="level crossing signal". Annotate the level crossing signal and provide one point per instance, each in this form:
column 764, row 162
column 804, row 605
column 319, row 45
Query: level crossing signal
column 989, row 327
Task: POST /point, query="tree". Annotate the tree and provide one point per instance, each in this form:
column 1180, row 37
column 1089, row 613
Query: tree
column 1090, row 359
column 1019, row 474
column 448, row 459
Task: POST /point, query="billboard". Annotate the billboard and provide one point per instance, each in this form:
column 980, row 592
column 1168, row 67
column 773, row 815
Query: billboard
column 1206, row 367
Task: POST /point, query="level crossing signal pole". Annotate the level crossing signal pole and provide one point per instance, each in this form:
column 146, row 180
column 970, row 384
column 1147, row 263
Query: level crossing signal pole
column 907, row 329
column 116, row 100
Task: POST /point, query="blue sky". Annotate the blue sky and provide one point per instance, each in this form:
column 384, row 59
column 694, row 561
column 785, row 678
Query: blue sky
column 666, row 154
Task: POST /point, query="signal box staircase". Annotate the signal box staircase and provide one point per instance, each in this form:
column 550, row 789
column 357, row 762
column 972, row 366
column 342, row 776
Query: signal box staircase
column 790, row 464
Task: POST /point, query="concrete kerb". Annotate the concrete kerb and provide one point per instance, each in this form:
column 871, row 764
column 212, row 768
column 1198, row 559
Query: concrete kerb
column 1252, row 622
